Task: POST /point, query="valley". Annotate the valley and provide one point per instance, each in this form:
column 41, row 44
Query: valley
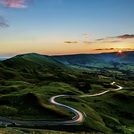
column 28, row 81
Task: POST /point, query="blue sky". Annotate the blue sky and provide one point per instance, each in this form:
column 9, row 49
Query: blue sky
column 67, row 26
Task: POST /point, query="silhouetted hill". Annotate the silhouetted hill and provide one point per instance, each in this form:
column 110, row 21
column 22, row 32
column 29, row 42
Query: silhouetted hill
column 97, row 60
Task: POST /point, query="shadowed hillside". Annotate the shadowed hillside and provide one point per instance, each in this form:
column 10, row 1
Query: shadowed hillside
column 97, row 60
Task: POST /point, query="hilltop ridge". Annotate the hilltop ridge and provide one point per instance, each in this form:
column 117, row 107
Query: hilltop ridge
column 95, row 60
column 30, row 60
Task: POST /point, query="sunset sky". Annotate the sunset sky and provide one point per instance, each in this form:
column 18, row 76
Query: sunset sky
column 55, row 27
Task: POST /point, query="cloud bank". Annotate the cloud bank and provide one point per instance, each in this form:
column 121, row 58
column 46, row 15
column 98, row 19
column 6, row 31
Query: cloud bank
column 125, row 36
column 107, row 40
column 114, row 49
column 100, row 49
column 111, row 40
column 117, row 38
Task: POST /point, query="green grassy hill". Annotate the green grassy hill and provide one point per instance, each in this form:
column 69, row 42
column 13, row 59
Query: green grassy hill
column 31, row 60
column 102, row 60
column 31, row 66
column 28, row 81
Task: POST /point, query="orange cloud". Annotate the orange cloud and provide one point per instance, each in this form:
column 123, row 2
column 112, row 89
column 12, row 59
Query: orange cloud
column 115, row 49
column 100, row 49
column 70, row 42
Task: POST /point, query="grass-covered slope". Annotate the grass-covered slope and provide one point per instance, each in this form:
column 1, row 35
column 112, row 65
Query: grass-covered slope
column 31, row 60
column 32, row 67
column 28, row 81
column 108, row 60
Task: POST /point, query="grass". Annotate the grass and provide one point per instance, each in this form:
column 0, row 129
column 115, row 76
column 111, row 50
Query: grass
column 102, row 65
column 93, row 120
column 8, row 111
column 26, row 89
column 103, row 114
column 32, row 103
column 38, row 131
column 127, row 67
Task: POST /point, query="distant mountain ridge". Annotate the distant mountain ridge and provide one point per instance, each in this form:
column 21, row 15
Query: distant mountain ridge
column 34, row 60
column 94, row 59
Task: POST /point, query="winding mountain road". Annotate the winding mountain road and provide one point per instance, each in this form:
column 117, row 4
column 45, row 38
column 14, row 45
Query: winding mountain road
column 77, row 119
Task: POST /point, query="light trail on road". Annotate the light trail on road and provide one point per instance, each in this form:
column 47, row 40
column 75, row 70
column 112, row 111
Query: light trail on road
column 77, row 119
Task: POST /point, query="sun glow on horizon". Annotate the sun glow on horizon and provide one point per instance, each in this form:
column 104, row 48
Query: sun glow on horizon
column 120, row 52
